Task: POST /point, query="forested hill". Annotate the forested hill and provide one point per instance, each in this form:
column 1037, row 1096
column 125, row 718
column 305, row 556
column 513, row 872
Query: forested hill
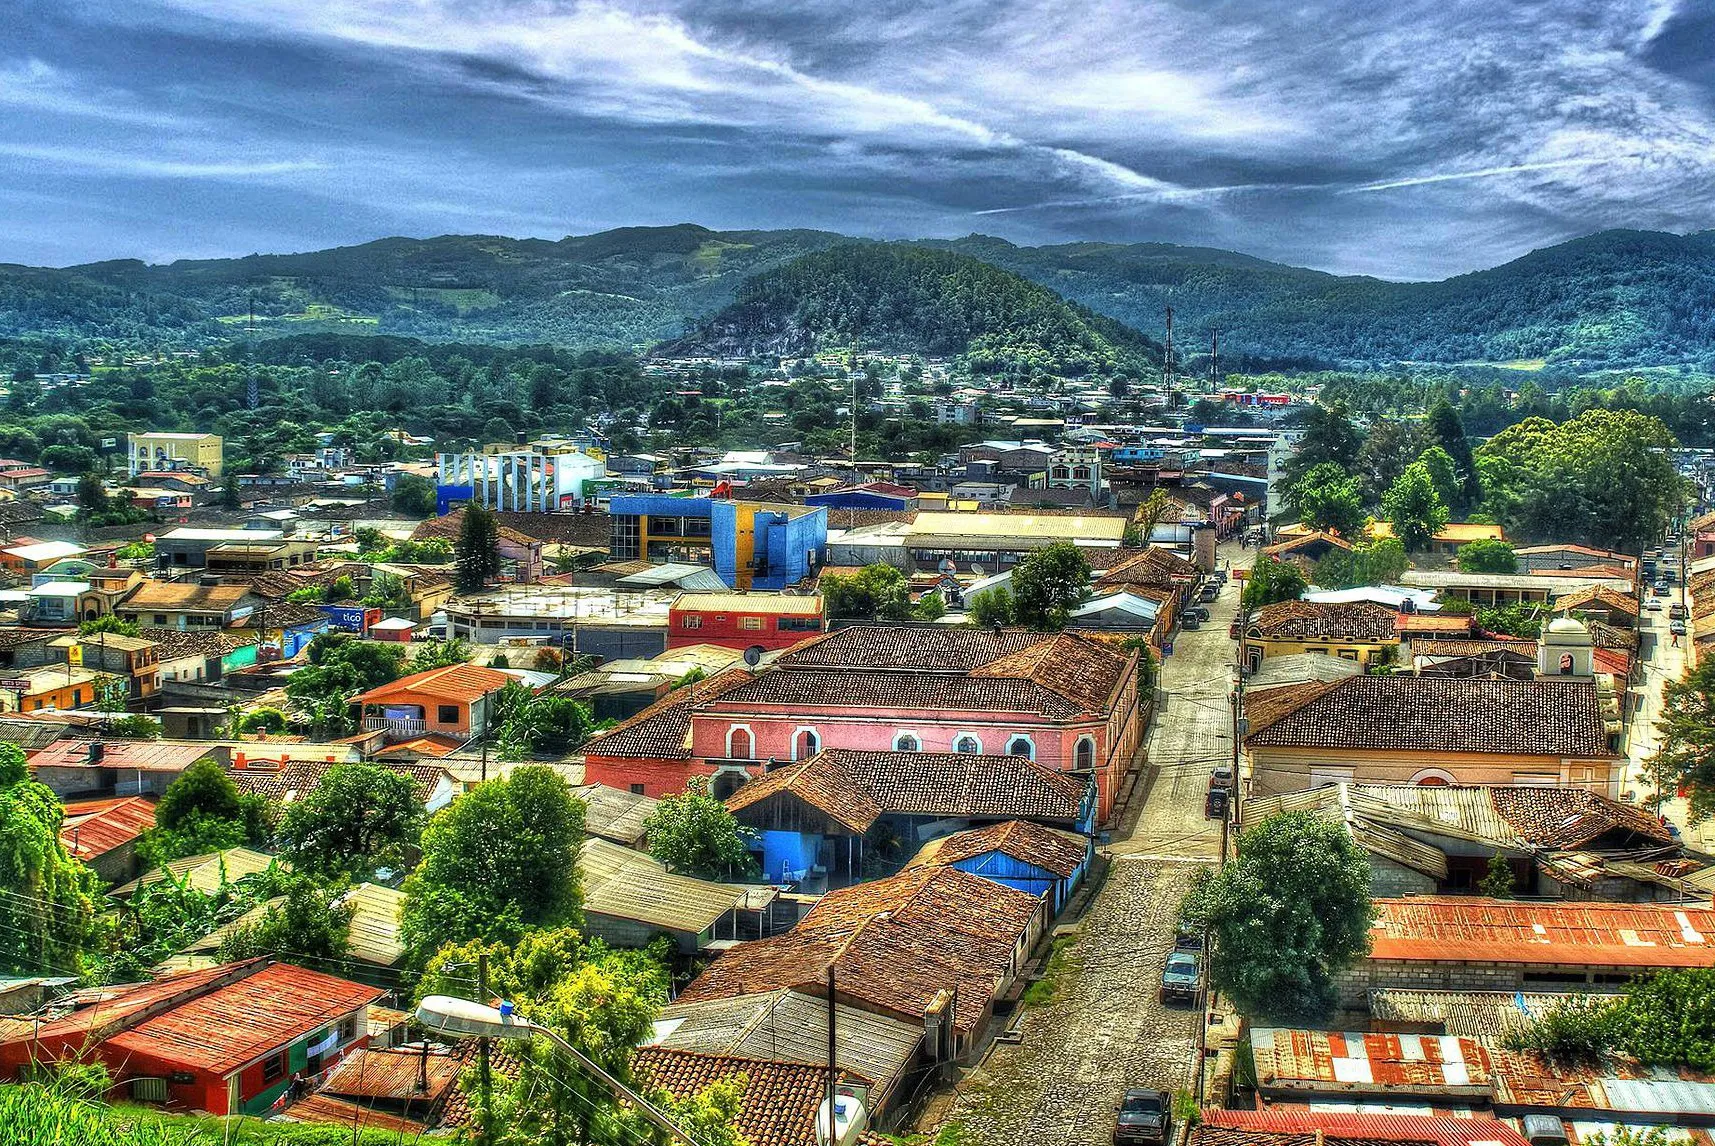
column 1614, row 299
column 900, row 297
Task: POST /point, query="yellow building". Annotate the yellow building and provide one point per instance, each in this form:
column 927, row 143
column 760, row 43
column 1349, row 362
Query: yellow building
column 150, row 452
column 1449, row 537
column 1359, row 631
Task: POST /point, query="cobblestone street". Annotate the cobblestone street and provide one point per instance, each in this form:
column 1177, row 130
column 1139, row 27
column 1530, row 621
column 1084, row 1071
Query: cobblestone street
column 1106, row 1029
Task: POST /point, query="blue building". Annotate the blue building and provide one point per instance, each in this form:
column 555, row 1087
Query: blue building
column 1022, row 855
column 871, row 495
column 752, row 545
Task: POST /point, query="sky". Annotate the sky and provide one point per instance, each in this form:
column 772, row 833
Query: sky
column 1398, row 138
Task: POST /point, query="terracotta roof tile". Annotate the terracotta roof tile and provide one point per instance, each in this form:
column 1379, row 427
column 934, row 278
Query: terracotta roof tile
column 298, row 778
column 1599, row 596
column 1572, row 817
column 453, row 682
column 663, row 730
column 1402, row 713
column 923, row 648
column 937, row 692
column 1084, row 671
column 856, row 787
column 780, row 1098
column 1059, row 852
column 1325, row 621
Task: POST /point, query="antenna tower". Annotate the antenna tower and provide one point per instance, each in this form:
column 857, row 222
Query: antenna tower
column 1167, row 354
column 1215, row 360
column 252, row 394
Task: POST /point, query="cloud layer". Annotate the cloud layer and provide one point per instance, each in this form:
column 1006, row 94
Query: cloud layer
column 1412, row 139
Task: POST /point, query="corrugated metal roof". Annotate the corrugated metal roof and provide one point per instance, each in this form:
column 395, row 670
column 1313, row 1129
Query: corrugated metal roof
column 786, row 604
column 375, row 921
column 91, row 832
column 226, row 1028
column 1331, row 1061
column 627, row 884
column 614, row 814
column 326, row 1110
column 1460, row 929
column 394, row 1074
column 1469, row 1013
column 1369, row 1128
column 205, row 872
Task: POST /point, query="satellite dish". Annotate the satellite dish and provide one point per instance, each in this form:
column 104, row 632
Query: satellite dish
column 753, row 655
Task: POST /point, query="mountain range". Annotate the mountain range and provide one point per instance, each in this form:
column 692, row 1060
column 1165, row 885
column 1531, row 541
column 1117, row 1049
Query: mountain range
column 1615, row 299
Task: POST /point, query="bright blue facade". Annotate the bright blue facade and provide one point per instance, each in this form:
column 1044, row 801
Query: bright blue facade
column 1027, row 877
column 787, row 857
column 778, row 545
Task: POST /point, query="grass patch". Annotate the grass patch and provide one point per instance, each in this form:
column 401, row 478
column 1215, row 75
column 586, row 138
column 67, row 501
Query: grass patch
column 952, row 1134
column 1047, row 989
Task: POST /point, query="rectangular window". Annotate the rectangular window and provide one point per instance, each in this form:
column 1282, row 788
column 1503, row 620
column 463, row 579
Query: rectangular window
column 160, row 618
column 447, row 713
column 693, row 621
column 348, row 1028
column 637, row 789
column 750, row 624
column 273, row 1068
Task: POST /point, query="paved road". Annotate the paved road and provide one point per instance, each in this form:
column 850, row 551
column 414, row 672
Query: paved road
column 1107, row 1030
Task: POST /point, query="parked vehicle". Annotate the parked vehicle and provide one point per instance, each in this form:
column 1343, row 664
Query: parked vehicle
column 1677, row 611
column 1221, row 777
column 1677, row 628
column 1660, row 589
column 1215, row 804
column 1187, row 937
column 1145, row 1119
column 1190, row 620
column 1210, row 591
column 1198, row 611
column 1653, row 605
column 1181, row 977
column 1544, row 1130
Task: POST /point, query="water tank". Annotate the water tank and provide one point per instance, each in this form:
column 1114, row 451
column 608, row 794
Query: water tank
column 850, row 1120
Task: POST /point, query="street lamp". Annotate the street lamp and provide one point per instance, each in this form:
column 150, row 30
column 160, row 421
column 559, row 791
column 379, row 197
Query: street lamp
column 453, row 1016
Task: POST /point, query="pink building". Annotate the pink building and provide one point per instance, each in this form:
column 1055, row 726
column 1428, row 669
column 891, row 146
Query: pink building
column 1068, row 702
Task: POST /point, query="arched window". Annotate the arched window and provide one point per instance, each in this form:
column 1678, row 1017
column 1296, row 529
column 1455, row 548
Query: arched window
column 740, row 744
column 1084, row 756
column 1433, row 778
column 725, row 784
column 1081, row 473
column 1060, row 472
column 968, row 744
column 1565, row 664
column 805, row 744
column 906, row 742
column 1021, row 746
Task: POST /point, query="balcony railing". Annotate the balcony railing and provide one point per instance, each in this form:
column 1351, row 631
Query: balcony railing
column 396, row 725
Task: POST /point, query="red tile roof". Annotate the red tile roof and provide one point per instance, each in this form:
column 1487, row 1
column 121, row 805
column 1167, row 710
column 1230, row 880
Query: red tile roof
column 1324, row 621
column 453, row 682
column 1059, row 852
column 95, row 827
column 227, row 1028
column 1468, row 928
column 663, row 730
column 780, row 1098
column 1297, row 1126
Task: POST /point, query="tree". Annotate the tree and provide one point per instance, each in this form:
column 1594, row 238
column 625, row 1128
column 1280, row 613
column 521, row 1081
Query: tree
column 992, row 607
column 874, row 591
column 312, row 927
column 1329, row 436
column 1270, row 581
column 549, row 724
column 1048, row 583
column 1378, row 562
column 203, row 811
column 434, row 654
column 694, row 833
column 340, row 667
column 1449, row 433
column 91, row 493
column 1685, row 741
column 1328, row 498
column 109, row 624
column 1287, row 916
column 1389, row 446
column 48, row 920
column 1448, row 485
column 359, row 818
column 477, row 551
column 1414, row 508
column 135, row 727
column 498, row 860
column 1498, row 881
column 1489, row 555
column 414, row 496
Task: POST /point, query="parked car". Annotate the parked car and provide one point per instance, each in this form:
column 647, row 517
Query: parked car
column 1198, row 611
column 1180, row 978
column 1145, row 1119
column 1210, row 591
column 1190, row 620
column 1215, row 804
column 1677, row 628
column 1188, row 937
column 1653, row 605
column 1221, row 776
column 1660, row 589
column 1677, row 611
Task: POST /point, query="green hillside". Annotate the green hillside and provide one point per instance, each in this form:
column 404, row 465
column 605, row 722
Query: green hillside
column 1617, row 299
column 898, row 297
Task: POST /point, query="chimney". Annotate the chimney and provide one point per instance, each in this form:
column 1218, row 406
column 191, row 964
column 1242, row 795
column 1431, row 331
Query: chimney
column 97, row 751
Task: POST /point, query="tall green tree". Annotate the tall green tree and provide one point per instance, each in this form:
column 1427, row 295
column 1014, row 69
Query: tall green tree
column 48, row 918
column 1286, row 917
column 497, row 861
column 1390, row 445
column 414, row 495
column 1272, row 580
column 359, row 818
column 1449, row 487
column 1414, row 508
column 203, row 811
column 1684, row 758
column 477, row 551
column 1048, row 584
column 1329, row 437
column 875, row 591
column 694, row 833
column 1328, row 498
column 1449, row 433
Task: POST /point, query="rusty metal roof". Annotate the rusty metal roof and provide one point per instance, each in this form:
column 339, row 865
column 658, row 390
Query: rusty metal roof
column 394, row 1074
column 1286, row 1127
column 1472, row 928
column 1332, row 1061
column 97, row 827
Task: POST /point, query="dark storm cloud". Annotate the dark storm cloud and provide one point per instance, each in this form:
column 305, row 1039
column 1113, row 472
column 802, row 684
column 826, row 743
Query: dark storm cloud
column 1412, row 138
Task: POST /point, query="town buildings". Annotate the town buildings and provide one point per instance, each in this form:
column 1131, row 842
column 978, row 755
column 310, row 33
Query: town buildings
column 156, row 451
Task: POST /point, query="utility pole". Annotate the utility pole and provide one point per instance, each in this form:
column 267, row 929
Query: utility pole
column 485, row 1080
column 1215, row 360
column 833, row 1082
